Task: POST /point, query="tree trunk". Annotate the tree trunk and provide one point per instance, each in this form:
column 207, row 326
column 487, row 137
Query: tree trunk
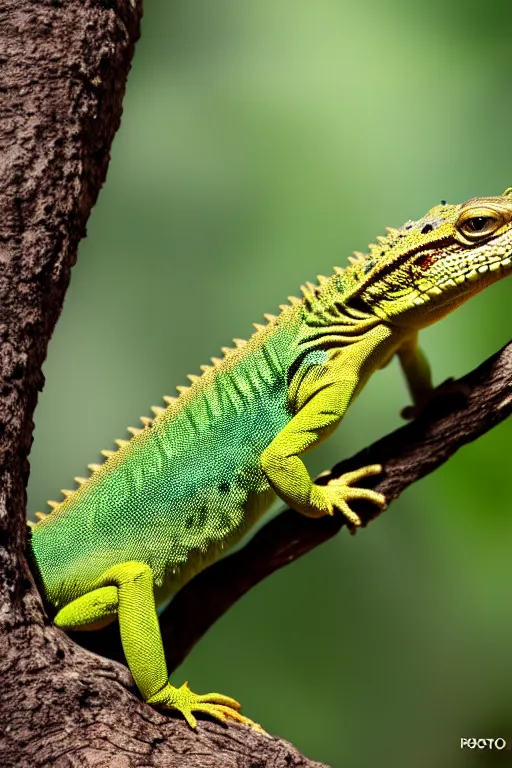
column 63, row 70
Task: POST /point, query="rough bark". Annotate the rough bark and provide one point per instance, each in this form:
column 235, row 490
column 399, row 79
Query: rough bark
column 63, row 69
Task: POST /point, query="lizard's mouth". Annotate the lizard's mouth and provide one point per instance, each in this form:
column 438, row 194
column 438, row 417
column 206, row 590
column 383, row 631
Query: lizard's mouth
column 480, row 274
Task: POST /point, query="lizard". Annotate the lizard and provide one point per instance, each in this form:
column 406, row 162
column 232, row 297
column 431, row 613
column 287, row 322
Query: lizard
column 194, row 479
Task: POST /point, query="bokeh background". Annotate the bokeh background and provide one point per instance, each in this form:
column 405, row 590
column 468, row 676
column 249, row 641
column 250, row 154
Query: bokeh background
column 261, row 143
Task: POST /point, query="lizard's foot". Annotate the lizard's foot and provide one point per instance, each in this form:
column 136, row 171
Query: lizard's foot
column 448, row 394
column 339, row 493
column 216, row 705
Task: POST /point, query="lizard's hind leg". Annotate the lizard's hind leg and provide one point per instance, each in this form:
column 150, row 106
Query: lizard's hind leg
column 126, row 589
column 91, row 611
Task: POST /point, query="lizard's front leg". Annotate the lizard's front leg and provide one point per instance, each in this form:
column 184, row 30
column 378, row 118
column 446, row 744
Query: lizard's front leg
column 286, row 472
column 416, row 370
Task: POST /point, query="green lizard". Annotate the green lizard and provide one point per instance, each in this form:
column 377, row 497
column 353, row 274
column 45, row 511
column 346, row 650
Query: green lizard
column 189, row 484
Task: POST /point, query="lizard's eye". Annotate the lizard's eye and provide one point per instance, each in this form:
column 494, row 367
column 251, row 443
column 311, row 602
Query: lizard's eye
column 480, row 225
column 476, row 224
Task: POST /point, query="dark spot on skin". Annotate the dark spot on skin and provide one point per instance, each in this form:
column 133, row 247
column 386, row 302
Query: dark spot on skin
column 426, row 261
column 369, row 264
column 60, row 653
column 409, row 226
column 202, row 516
column 189, row 522
column 443, row 202
column 427, row 228
column 224, row 487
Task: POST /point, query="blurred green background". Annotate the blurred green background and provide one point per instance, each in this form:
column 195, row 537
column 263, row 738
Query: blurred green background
column 261, row 143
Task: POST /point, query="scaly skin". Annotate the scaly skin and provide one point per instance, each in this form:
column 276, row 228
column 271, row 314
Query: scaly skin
column 191, row 483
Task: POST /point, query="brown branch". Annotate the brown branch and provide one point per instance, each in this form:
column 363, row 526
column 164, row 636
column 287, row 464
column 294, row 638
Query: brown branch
column 63, row 69
column 479, row 401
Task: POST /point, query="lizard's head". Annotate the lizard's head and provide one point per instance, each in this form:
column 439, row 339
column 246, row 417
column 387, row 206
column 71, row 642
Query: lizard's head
column 425, row 269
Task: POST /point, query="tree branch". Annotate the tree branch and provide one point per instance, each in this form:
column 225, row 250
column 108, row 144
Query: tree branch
column 479, row 401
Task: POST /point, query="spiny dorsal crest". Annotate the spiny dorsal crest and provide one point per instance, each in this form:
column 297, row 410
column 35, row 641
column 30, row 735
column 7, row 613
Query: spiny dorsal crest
column 148, row 422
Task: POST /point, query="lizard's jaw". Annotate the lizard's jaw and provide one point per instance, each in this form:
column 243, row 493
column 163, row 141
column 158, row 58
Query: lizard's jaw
column 457, row 287
column 450, row 282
